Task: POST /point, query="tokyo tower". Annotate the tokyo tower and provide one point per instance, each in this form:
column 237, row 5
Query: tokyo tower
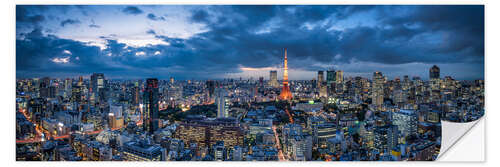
column 285, row 91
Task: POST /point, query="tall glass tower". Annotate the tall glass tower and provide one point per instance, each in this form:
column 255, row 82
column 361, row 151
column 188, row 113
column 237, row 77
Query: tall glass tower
column 151, row 107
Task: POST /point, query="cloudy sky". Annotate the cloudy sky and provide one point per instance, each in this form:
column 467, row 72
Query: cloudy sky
column 213, row 42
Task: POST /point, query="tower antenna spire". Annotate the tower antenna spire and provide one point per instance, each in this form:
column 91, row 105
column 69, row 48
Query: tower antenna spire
column 285, row 92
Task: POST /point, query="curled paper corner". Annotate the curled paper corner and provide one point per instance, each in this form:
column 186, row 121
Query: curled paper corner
column 453, row 132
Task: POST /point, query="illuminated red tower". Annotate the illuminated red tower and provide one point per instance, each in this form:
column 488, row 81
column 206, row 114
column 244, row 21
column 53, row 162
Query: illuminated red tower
column 285, row 91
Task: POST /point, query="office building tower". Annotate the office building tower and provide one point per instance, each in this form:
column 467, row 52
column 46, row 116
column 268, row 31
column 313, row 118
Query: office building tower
column 385, row 138
column 378, row 89
column 76, row 94
column 172, row 80
column 151, row 107
column 261, row 81
column 116, row 109
column 321, row 79
column 80, row 81
column 67, row 87
column 434, row 81
column 96, row 82
column 222, row 103
column 136, row 93
column 211, row 87
column 407, row 121
column 339, row 76
column 434, row 72
column 97, row 87
column 273, row 79
column 330, row 76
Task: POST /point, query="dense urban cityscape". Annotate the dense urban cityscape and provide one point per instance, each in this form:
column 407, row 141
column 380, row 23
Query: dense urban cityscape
column 329, row 118
column 177, row 82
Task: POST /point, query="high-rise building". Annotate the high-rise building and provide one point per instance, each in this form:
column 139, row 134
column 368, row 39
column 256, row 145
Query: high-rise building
column 273, row 79
column 97, row 87
column 44, row 87
column 97, row 82
column 330, row 76
column 116, row 109
column 407, row 121
column 222, row 103
column 151, row 107
column 211, row 87
column 386, row 137
column 321, row 79
column 285, row 91
column 136, row 93
column 339, row 76
column 76, row 94
column 67, row 87
column 322, row 91
column 261, row 81
column 172, row 80
column 378, row 89
column 80, row 81
column 434, row 72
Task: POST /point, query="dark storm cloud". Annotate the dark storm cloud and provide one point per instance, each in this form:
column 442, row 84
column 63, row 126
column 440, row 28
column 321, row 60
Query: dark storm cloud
column 174, row 42
column 200, row 16
column 464, row 26
column 254, row 36
column 37, row 52
column 132, row 10
column 393, row 41
column 22, row 15
column 27, row 17
column 69, row 21
column 153, row 17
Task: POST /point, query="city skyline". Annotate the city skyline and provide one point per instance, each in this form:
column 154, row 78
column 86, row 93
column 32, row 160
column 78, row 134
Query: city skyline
column 198, row 42
column 244, row 83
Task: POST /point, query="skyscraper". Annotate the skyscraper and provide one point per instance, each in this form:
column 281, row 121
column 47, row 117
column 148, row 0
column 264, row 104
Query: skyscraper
column 76, row 93
column 211, row 87
column 150, row 112
column 285, row 91
column 172, row 80
column 339, row 76
column 97, row 82
column 136, row 93
column 321, row 78
column 434, row 72
column 67, row 87
column 330, row 80
column 378, row 89
column 386, row 137
column 261, row 81
column 273, row 79
column 222, row 106
column 434, row 79
column 330, row 76
column 406, row 120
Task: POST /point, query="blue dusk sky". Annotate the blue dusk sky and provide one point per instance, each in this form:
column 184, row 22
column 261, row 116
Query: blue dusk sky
column 219, row 41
